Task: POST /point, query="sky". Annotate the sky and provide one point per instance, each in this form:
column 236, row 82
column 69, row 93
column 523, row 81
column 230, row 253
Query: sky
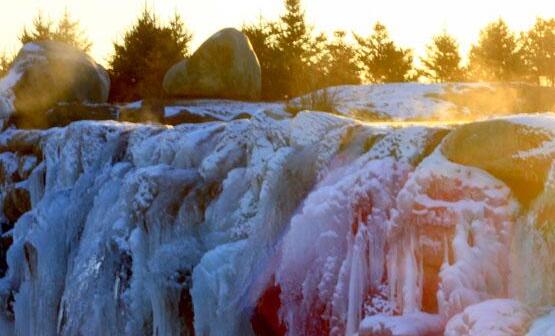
column 411, row 23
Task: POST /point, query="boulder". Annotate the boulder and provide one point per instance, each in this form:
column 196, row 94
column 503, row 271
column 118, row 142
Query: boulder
column 48, row 72
column 224, row 66
column 515, row 151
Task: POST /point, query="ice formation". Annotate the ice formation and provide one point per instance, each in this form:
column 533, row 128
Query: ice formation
column 308, row 225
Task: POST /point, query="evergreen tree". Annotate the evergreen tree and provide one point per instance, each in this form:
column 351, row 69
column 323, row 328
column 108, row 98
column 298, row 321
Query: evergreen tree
column 263, row 37
column 496, row 57
column 318, row 64
column 179, row 33
column 65, row 30
column 147, row 51
column 443, row 61
column 342, row 64
column 293, row 40
column 384, row 62
column 289, row 56
column 539, row 51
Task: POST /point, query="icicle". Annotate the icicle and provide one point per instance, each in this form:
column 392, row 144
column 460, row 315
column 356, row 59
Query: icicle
column 358, row 278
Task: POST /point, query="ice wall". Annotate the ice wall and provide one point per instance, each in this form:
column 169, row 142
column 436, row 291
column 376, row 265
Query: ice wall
column 305, row 226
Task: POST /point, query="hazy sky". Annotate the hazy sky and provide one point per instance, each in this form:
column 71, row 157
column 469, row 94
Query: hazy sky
column 411, row 22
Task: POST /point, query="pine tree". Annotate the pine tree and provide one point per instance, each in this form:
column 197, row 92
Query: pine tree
column 293, row 40
column 496, row 57
column 342, row 64
column 290, row 57
column 179, row 33
column 65, row 30
column 295, row 35
column 42, row 29
column 384, row 62
column 443, row 61
column 294, row 61
column 317, row 65
column 263, row 37
column 539, row 51
column 147, row 51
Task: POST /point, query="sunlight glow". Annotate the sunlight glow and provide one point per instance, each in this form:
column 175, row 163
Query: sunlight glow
column 411, row 23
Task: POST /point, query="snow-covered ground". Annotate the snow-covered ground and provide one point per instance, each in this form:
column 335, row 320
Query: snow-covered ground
column 224, row 109
column 315, row 224
column 219, row 109
column 426, row 102
column 403, row 101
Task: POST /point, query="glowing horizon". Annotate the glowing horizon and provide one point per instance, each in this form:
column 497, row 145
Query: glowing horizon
column 411, row 24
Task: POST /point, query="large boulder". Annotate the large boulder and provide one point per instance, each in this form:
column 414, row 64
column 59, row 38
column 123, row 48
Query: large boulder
column 224, row 66
column 519, row 151
column 46, row 73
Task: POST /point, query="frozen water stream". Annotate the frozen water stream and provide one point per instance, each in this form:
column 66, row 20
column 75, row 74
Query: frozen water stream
column 305, row 226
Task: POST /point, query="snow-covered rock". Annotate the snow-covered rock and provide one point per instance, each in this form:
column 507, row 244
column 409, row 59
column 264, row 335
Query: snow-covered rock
column 270, row 225
column 48, row 72
column 424, row 102
column 517, row 150
column 403, row 101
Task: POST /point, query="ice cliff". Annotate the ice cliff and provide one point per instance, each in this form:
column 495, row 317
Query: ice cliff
column 311, row 225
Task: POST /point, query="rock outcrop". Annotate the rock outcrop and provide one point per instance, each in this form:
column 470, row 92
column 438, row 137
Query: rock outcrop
column 46, row 73
column 515, row 151
column 225, row 66
column 271, row 225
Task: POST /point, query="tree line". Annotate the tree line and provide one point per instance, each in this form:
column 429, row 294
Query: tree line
column 295, row 59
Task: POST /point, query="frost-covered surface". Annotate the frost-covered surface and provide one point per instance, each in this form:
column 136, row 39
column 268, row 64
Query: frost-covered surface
column 543, row 326
column 224, row 109
column 403, row 101
column 538, row 123
column 36, row 55
column 413, row 324
column 134, row 105
column 125, row 212
column 312, row 225
column 7, row 83
column 501, row 317
column 451, row 236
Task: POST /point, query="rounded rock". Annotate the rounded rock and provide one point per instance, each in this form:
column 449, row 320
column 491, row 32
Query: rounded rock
column 51, row 72
column 224, row 66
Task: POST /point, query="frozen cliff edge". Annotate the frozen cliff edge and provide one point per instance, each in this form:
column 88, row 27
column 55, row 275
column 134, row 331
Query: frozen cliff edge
column 306, row 226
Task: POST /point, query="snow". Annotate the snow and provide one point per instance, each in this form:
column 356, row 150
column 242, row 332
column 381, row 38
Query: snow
column 414, row 324
column 134, row 105
column 126, row 175
column 501, row 317
column 143, row 229
column 6, row 92
column 224, row 109
column 543, row 123
column 32, row 48
column 456, row 221
column 171, row 111
column 543, row 326
column 402, row 101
